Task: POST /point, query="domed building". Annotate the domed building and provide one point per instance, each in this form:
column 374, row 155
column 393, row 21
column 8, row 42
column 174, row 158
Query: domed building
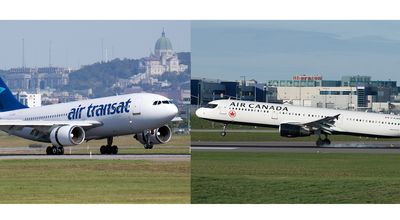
column 163, row 46
column 164, row 59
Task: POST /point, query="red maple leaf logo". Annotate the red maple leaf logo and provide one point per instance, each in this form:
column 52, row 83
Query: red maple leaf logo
column 232, row 113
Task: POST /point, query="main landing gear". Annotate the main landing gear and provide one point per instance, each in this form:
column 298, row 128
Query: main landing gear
column 53, row 150
column 109, row 148
column 148, row 144
column 323, row 142
column 223, row 133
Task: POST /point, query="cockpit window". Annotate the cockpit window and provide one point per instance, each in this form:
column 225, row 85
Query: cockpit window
column 212, row 105
column 162, row 102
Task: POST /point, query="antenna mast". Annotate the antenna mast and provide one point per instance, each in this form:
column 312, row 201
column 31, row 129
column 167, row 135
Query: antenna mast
column 23, row 53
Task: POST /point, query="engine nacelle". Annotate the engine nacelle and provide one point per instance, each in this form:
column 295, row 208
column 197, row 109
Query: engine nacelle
column 289, row 130
column 67, row 135
column 157, row 136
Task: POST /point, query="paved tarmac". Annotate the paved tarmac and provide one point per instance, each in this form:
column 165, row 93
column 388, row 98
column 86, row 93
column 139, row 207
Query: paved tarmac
column 151, row 157
column 375, row 147
column 236, row 130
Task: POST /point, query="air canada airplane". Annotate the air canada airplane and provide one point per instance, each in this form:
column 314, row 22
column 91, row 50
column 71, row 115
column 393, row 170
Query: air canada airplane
column 67, row 124
column 298, row 121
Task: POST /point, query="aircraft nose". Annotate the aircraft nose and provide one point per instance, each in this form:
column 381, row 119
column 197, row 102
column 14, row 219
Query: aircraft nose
column 199, row 112
column 174, row 110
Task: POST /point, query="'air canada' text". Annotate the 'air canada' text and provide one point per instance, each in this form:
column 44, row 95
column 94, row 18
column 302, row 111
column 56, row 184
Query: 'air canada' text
column 259, row 106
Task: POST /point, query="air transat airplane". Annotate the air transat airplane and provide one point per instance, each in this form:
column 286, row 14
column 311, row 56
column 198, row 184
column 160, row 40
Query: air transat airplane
column 298, row 121
column 142, row 114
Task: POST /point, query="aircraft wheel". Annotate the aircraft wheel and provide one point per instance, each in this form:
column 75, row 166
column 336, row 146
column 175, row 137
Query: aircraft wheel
column 49, row 150
column 103, row 149
column 60, row 151
column 319, row 142
column 114, row 149
column 327, row 142
column 54, row 150
column 223, row 134
column 109, row 149
column 148, row 146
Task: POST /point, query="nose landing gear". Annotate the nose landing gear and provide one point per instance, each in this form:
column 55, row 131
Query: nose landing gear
column 148, row 144
column 223, row 133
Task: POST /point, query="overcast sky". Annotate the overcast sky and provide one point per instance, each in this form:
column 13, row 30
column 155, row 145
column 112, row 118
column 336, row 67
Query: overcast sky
column 280, row 49
column 76, row 43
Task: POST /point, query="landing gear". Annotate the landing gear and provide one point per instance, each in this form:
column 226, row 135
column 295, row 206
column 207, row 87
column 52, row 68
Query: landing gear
column 148, row 144
column 109, row 148
column 319, row 142
column 146, row 138
column 53, row 150
column 323, row 142
column 223, row 133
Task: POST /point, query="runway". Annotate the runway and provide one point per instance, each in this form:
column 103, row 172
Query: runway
column 236, row 130
column 382, row 147
column 151, row 157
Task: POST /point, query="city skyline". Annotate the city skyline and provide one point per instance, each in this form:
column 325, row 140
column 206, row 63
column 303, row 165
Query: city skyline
column 77, row 43
column 265, row 50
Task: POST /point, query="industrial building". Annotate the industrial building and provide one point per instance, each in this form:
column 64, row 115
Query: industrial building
column 30, row 100
column 31, row 79
column 206, row 90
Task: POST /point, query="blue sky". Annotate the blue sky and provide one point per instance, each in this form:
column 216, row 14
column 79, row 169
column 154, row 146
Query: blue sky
column 280, row 49
column 76, row 43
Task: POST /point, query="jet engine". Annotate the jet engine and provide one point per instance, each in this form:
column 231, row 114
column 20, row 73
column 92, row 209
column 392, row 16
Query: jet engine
column 157, row 136
column 67, row 135
column 290, row 130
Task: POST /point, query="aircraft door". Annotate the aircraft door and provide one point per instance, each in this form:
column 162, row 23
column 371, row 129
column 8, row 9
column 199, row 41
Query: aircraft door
column 222, row 109
column 274, row 115
column 136, row 109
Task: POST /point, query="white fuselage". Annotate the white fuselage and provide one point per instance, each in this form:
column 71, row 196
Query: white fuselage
column 269, row 114
column 118, row 115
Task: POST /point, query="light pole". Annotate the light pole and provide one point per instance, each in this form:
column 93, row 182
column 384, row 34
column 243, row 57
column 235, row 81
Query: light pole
column 265, row 93
column 243, row 84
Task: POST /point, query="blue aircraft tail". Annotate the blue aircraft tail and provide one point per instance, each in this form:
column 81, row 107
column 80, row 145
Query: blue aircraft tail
column 7, row 101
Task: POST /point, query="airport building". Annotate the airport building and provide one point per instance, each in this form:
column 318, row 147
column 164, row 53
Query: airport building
column 351, row 92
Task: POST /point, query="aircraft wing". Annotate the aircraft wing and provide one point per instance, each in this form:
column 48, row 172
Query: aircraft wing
column 45, row 125
column 324, row 124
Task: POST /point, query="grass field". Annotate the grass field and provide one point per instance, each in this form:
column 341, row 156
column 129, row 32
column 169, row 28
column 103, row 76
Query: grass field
column 94, row 181
column 295, row 178
column 252, row 136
